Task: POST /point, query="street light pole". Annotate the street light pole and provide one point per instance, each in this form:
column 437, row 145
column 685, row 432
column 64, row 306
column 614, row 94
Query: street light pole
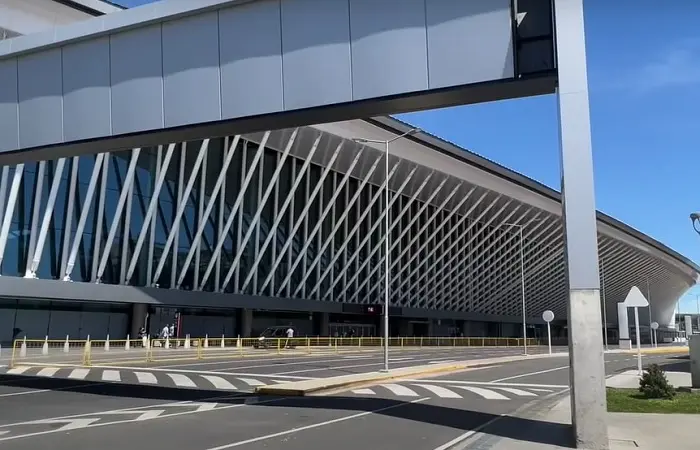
column 387, row 222
column 605, row 306
column 522, row 283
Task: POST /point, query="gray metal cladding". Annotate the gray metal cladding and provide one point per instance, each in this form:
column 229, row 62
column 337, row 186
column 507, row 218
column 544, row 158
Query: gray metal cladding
column 232, row 60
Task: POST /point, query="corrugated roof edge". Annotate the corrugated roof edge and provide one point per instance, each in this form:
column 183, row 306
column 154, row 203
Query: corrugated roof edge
column 444, row 146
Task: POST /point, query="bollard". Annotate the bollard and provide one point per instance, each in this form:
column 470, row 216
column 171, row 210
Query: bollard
column 23, row 348
column 206, row 341
column 107, row 343
column 167, row 342
column 223, row 342
column 187, row 341
column 45, row 347
column 66, row 345
column 238, row 341
column 144, row 341
column 127, row 344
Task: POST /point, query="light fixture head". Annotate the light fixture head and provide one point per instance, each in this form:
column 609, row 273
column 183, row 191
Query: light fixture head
column 695, row 219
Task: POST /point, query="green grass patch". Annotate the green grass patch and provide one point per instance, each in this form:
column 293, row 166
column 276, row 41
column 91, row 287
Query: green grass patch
column 632, row 401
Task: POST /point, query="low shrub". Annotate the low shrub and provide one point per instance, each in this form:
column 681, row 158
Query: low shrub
column 654, row 383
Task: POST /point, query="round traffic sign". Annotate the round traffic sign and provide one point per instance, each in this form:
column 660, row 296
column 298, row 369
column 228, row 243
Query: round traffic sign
column 655, row 325
column 548, row 316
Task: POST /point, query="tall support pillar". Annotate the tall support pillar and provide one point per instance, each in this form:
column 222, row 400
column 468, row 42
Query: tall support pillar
column 623, row 327
column 588, row 402
column 246, row 323
column 138, row 318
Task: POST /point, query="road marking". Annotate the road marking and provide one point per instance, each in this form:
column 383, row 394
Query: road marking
column 18, row 370
column 218, row 382
column 529, row 374
column 542, row 390
column 70, row 424
column 488, row 394
column 111, row 375
column 397, row 389
column 79, row 374
column 518, row 392
column 146, row 377
column 400, row 359
column 464, row 436
column 280, row 381
column 48, row 371
column 363, row 392
column 251, row 382
column 200, row 372
column 493, row 384
column 440, row 391
column 181, row 380
column 312, row 426
column 442, row 361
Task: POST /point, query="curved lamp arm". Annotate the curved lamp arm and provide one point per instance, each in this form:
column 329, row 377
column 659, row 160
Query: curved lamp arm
column 695, row 219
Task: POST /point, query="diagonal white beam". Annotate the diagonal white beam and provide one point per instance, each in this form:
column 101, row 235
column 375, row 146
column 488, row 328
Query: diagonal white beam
column 252, row 227
column 325, row 212
column 280, row 215
column 207, row 212
column 10, row 210
column 232, row 215
column 87, row 203
column 152, row 205
column 300, row 220
column 126, row 188
column 48, row 213
column 68, row 221
column 342, row 222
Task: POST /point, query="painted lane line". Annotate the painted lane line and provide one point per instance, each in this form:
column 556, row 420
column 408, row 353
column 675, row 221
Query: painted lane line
column 442, row 361
column 48, row 371
column 488, row 394
column 312, row 426
column 464, row 436
column 181, row 380
column 146, row 378
column 541, row 390
column 118, row 422
column 439, row 391
column 252, row 382
column 529, row 374
column 79, row 374
column 402, row 391
column 280, row 381
column 518, row 392
column 111, row 375
column 363, row 392
column 219, row 382
column 492, row 384
column 18, row 370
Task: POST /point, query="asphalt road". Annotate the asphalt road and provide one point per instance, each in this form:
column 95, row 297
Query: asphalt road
column 61, row 414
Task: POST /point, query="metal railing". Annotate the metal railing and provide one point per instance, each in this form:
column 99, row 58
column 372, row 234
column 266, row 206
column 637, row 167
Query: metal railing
column 132, row 351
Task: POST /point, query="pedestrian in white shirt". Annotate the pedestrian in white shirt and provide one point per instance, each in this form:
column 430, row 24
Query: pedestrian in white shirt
column 290, row 335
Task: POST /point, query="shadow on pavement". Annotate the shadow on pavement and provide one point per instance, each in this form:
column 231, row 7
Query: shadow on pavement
column 518, row 428
column 680, row 364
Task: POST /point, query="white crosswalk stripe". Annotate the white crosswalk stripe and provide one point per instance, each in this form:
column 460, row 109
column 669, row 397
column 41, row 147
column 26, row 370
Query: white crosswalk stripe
column 111, row 375
column 488, row 394
column 79, row 374
column 252, row 382
column 18, row 370
column 181, row 380
column 48, row 371
column 518, row 392
column 146, row 377
column 439, row 391
column 402, row 391
column 363, row 392
column 219, row 382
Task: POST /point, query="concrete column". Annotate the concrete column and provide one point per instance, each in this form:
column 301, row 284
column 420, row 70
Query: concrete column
column 325, row 324
column 623, row 327
column 138, row 318
column 588, row 401
column 688, row 325
column 694, row 344
column 246, row 323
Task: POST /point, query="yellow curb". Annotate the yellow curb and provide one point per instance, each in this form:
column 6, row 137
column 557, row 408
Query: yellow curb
column 334, row 383
column 658, row 351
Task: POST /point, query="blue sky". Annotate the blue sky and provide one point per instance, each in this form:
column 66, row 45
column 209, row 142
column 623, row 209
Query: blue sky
column 644, row 81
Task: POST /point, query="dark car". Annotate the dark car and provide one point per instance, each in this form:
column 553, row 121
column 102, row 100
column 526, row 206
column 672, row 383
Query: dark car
column 270, row 337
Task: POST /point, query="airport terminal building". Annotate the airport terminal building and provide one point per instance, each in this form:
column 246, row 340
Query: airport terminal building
column 234, row 233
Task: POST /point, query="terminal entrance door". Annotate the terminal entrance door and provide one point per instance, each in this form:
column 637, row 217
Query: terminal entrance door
column 360, row 329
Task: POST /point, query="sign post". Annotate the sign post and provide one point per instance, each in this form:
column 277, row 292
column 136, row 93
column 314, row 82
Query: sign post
column 548, row 316
column 636, row 299
column 655, row 339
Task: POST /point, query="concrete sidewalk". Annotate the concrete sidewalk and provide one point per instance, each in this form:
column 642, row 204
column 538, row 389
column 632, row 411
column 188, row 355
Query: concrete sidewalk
column 552, row 430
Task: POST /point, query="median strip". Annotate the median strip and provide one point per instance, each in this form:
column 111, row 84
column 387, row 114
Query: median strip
column 322, row 385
